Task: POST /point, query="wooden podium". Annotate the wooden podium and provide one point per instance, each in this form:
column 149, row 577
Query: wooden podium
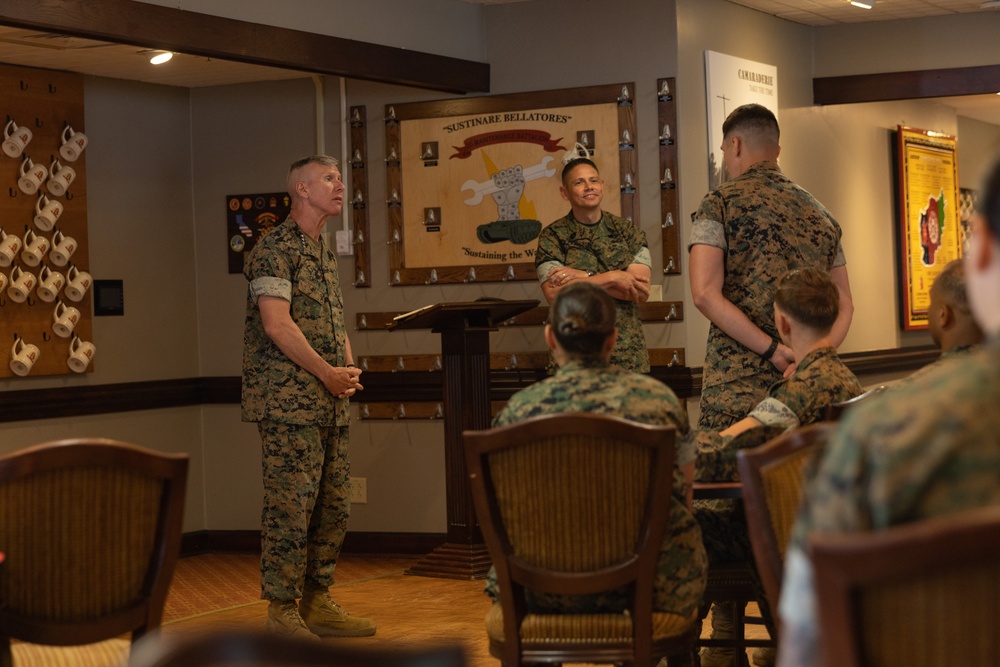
column 465, row 364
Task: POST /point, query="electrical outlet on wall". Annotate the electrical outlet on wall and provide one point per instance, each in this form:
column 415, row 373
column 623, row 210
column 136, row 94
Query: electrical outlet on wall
column 359, row 490
column 344, row 242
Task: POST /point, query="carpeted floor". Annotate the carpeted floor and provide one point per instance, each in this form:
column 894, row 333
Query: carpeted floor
column 216, row 592
column 213, row 582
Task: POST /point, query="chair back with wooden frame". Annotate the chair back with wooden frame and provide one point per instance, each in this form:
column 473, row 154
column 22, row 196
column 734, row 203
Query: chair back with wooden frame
column 234, row 648
column 773, row 477
column 917, row 594
column 576, row 504
column 91, row 529
column 835, row 411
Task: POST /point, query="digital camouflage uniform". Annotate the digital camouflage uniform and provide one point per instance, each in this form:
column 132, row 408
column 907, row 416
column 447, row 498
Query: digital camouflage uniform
column 610, row 244
column 766, row 225
column 927, row 449
column 948, row 357
column 303, row 427
column 601, row 388
column 820, row 379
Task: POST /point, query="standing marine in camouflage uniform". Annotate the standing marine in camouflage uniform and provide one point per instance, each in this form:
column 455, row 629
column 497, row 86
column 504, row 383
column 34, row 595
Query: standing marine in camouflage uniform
column 949, row 320
column 927, row 449
column 298, row 375
column 806, row 307
column 581, row 335
column 746, row 234
column 594, row 246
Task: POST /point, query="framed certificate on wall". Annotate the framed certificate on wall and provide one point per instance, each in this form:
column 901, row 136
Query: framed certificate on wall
column 471, row 182
column 930, row 231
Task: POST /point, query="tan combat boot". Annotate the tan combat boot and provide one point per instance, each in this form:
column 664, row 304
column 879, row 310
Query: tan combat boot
column 283, row 619
column 722, row 628
column 326, row 618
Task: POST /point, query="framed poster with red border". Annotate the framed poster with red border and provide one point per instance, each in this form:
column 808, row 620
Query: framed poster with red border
column 930, row 233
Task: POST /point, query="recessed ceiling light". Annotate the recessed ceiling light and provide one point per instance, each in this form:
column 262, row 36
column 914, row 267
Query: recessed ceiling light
column 160, row 57
column 864, row 4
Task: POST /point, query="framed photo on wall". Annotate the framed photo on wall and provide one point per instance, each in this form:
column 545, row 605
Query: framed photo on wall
column 249, row 217
column 471, row 182
column 930, row 229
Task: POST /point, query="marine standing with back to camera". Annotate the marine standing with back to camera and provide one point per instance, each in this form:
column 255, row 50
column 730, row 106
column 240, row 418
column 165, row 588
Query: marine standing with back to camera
column 747, row 233
column 298, row 374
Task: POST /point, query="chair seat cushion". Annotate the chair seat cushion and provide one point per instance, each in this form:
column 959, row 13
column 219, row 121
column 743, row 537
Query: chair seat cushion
column 585, row 628
column 110, row 653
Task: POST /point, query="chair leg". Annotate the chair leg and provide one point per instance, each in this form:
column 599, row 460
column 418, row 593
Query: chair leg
column 686, row 659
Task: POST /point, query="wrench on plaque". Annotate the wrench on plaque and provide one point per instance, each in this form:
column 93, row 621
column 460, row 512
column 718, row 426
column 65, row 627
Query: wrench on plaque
column 480, row 190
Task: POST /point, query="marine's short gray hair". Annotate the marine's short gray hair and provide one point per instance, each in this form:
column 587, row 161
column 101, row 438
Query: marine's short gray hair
column 293, row 171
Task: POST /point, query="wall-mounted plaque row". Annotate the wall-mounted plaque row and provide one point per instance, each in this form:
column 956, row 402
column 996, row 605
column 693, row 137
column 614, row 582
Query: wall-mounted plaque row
column 669, row 221
column 358, row 198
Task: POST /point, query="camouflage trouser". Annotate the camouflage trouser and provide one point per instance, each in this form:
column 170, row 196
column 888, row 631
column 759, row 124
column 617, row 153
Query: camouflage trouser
column 723, row 405
column 677, row 588
column 727, row 540
column 306, row 505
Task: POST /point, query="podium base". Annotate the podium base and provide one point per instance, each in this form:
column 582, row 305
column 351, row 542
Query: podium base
column 454, row 561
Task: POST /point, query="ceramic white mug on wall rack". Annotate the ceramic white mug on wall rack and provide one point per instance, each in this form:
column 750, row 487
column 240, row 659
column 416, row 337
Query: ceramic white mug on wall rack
column 47, row 211
column 73, row 144
column 23, row 356
column 15, row 138
column 61, row 178
column 64, row 319
column 31, row 176
column 63, row 248
column 81, row 353
column 35, row 247
column 77, row 283
column 21, row 284
column 49, row 284
column 10, row 245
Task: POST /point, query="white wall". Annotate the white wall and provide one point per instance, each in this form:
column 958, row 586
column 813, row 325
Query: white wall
column 979, row 143
column 955, row 40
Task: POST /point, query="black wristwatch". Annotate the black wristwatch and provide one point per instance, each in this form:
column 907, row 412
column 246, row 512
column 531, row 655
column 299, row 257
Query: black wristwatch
column 769, row 352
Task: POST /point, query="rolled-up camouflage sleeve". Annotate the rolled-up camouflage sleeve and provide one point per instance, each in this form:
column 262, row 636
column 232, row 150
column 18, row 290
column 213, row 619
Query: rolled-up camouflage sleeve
column 772, row 412
column 706, row 223
column 643, row 257
column 270, row 286
column 269, row 274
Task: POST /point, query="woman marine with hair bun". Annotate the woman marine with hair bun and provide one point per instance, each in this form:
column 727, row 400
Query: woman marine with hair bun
column 581, row 334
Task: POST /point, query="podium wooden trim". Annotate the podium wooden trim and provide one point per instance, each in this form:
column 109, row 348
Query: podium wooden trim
column 465, row 365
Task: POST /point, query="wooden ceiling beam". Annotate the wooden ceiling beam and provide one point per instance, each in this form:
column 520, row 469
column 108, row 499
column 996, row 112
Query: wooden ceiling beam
column 913, row 85
column 181, row 31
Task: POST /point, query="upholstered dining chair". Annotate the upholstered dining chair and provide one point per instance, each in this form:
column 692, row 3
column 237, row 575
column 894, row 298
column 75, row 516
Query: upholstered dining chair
column 91, row 530
column 774, row 479
column 245, row 648
column 920, row 594
column 576, row 504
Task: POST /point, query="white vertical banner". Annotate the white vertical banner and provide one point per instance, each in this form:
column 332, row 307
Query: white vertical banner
column 731, row 82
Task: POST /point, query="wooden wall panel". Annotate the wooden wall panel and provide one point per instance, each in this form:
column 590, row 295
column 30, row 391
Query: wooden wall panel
column 45, row 101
